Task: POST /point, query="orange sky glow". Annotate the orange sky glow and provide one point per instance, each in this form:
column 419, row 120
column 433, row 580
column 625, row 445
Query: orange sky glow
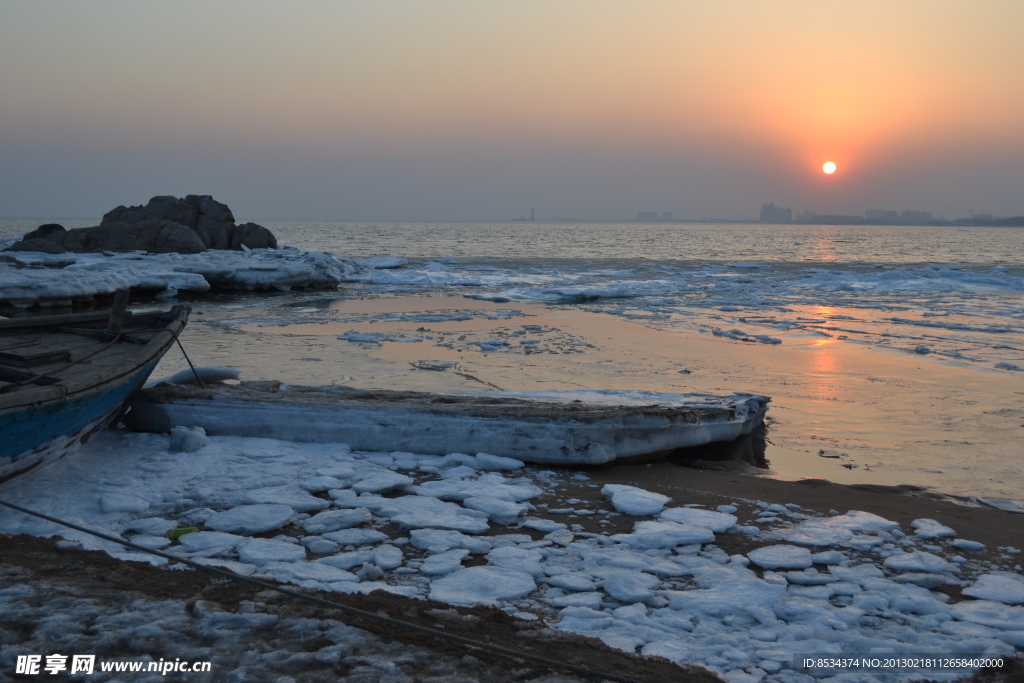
column 730, row 104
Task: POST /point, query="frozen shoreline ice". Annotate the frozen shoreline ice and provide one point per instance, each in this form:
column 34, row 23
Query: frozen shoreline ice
column 689, row 602
column 61, row 279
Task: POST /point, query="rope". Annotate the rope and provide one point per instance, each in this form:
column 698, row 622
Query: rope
column 355, row 611
column 201, row 385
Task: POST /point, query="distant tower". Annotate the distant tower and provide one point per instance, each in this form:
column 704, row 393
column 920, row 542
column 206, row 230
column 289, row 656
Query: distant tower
column 532, row 216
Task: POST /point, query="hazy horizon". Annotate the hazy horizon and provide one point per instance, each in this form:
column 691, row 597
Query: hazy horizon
column 456, row 111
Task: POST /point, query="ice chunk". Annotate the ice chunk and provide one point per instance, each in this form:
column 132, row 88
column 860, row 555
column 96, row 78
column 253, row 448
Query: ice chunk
column 206, row 540
column 260, row 551
column 356, row 536
column 306, row 572
column 998, row 586
column 486, row 461
column 206, row 373
column 635, row 501
column 781, row 557
column 348, row 560
column 497, row 510
column 718, row 522
column 522, row 560
column 444, row 563
column 650, row 534
column 828, row 557
column 293, row 497
column 561, row 537
column 990, row 613
column 319, row 545
column 583, row 619
column 923, row 580
column 122, row 502
column 929, row 528
column 919, row 561
column 414, row 512
column 545, row 525
column 332, row 520
column 591, row 600
column 320, row 484
column 251, row 519
column 835, row 530
column 364, row 337
column 482, row 586
column 379, row 482
column 815, row 533
column 429, row 539
column 188, row 439
column 732, row 596
column 573, row 581
column 968, row 546
column 630, row 586
column 388, row 557
column 157, row 526
column 809, row 577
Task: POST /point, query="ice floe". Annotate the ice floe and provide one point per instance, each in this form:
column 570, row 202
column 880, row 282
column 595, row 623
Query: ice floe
column 60, row 279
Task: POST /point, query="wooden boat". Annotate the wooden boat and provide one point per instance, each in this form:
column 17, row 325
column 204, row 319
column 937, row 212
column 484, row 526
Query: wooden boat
column 64, row 377
column 549, row 428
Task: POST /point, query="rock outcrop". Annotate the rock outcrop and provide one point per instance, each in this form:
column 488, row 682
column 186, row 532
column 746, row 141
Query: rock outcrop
column 166, row 224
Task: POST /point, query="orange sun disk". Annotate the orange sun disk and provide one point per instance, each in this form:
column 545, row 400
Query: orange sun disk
column 829, row 167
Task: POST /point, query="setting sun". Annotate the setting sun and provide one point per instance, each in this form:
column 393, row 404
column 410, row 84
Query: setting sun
column 829, row 167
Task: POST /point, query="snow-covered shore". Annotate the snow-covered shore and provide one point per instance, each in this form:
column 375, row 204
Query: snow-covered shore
column 642, row 571
column 51, row 280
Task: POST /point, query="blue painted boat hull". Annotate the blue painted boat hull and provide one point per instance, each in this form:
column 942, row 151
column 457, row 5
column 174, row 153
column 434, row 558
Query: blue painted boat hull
column 43, row 433
column 48, row 409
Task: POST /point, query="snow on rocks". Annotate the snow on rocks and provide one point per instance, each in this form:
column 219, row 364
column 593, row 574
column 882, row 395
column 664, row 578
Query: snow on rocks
column 482, row 586
column 251, row 519
column 635, row 501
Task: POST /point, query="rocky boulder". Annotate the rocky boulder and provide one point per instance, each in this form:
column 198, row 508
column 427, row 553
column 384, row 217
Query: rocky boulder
column 166, row 224
column 155, row 236
column 253, row 236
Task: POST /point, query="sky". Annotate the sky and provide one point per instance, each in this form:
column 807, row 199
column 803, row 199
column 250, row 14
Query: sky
column 464, row 111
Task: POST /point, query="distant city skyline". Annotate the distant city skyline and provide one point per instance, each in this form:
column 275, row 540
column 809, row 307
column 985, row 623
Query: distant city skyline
column 459, row 111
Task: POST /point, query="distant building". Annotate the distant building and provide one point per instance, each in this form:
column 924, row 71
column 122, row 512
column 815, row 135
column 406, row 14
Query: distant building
column 915, row 216
column 882, row 215
column 774, row 214
column 829, row 219
column 666, row 216
column 647, row 216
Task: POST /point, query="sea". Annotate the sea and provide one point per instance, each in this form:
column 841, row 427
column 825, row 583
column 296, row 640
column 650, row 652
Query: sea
column 894, row 355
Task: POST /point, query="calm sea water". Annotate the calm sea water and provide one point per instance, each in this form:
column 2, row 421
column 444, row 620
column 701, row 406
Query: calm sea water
column 802, row 244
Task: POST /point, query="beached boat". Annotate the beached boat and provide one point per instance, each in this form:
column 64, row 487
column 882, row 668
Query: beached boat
column 64, row 377
column 569, row 428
